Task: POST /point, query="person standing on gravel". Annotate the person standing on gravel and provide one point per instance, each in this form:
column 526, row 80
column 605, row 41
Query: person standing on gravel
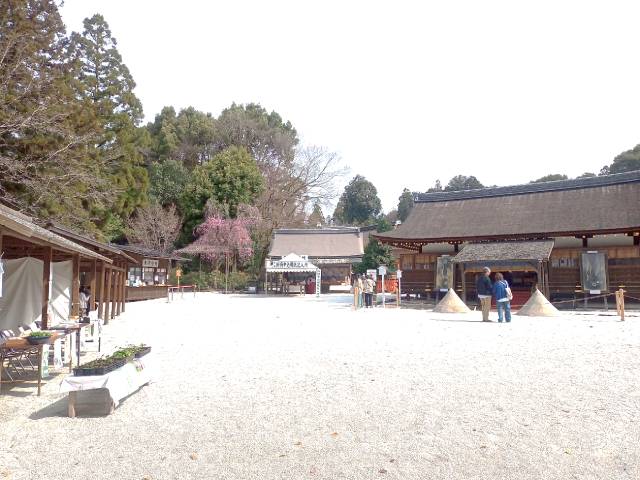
column 369, row 286
column 485, row 291
column 502, row 293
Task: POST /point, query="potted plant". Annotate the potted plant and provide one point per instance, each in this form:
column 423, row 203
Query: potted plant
column 38, row 337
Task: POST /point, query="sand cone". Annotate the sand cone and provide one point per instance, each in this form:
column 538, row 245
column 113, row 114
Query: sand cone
column 451, row 303
column 538, row 306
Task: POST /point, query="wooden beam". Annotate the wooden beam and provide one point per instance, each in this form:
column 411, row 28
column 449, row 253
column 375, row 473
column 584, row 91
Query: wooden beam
column 75, row 287
column 46, row 275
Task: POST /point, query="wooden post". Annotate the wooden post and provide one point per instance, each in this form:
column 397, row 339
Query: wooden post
column 124, row 286
column 620, row 303
column 114, row 291
column 107, row 294
column 464, row 283
column 93, row 286
column 75, row 287
column 46, row 276
column 118, row 293
column 103, row 269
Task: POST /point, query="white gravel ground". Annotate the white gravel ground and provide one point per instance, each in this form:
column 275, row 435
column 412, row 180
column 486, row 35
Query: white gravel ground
column 297, row 388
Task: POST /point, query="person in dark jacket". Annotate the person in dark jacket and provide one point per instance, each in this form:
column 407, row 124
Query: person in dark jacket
column 502, row 298
column 484, row 290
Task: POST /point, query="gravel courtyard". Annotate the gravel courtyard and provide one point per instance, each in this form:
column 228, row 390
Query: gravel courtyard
column 296, row 388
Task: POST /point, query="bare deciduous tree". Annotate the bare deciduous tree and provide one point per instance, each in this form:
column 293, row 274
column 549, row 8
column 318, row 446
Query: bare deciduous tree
column 155, row 227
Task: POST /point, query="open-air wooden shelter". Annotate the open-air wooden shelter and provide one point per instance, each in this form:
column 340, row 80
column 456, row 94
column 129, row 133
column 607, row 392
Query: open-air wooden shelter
column 34, row 258
column 107, row 281
column 570, row 238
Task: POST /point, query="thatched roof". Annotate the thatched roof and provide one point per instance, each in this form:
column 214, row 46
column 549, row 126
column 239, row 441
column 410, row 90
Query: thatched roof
column 504, row 251
column 341, row 242
column 607, row 204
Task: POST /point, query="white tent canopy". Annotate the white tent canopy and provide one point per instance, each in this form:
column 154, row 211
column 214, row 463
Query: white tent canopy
column 294, row 263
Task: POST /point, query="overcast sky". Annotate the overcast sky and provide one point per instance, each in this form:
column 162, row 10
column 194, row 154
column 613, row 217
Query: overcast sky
column 406, row 92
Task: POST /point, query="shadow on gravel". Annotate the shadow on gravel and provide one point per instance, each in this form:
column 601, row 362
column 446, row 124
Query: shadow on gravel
column 56, row 409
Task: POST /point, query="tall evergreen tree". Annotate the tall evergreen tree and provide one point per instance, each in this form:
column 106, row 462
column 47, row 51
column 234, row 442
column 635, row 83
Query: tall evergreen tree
column 105, row 81
column 405, row 204
column 358, row 203
column 45, row 128
column 316, row 217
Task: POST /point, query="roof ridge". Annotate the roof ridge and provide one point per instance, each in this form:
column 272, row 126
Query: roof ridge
column 526, row 188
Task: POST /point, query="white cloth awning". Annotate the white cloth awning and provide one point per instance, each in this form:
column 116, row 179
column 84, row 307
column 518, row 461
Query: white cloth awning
column 291, row 263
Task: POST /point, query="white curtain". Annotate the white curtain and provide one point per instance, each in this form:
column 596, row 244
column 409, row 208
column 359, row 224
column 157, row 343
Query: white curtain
column 60, row 300
column 21, row 301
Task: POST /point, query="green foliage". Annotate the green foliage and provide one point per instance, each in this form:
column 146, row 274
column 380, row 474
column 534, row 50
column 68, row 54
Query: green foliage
column 376, row 254
column 113, row 228
column 47, row 132
column 229, row 179
column 188, row 138
column 316, row 217
column 269, row 139
column 383, row 224
column 359, row 203
column 550, row 178
column 437, row 187
column 168, row 181
column 587, row 175
column 405, row 204
column 625, row 162
column 105, row 83
column 462, row 182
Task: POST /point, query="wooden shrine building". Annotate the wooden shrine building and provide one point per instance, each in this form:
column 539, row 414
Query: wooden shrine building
column 149, row 277
column 39, row 267
column 570, row 238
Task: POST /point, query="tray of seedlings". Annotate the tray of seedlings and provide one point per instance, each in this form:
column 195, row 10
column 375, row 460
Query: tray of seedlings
column 119, row 358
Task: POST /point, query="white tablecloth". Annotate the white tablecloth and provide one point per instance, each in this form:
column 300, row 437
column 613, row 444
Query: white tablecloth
column 120, row 383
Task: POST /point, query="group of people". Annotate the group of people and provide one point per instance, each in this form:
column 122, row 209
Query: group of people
column 499, row 290
column 363, row 289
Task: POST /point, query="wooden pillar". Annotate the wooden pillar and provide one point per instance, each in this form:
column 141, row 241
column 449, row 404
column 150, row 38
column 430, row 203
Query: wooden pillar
column 107, row 294
column 114, row 291
column 119, row 281
column 464, row 283
column 124, row 286
column 101, row 292
column 75, row 287
column 547, row 287
column 46, row 275
column 93, row 286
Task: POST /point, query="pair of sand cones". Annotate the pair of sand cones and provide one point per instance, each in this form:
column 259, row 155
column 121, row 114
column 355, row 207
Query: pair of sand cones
column 536, row 306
